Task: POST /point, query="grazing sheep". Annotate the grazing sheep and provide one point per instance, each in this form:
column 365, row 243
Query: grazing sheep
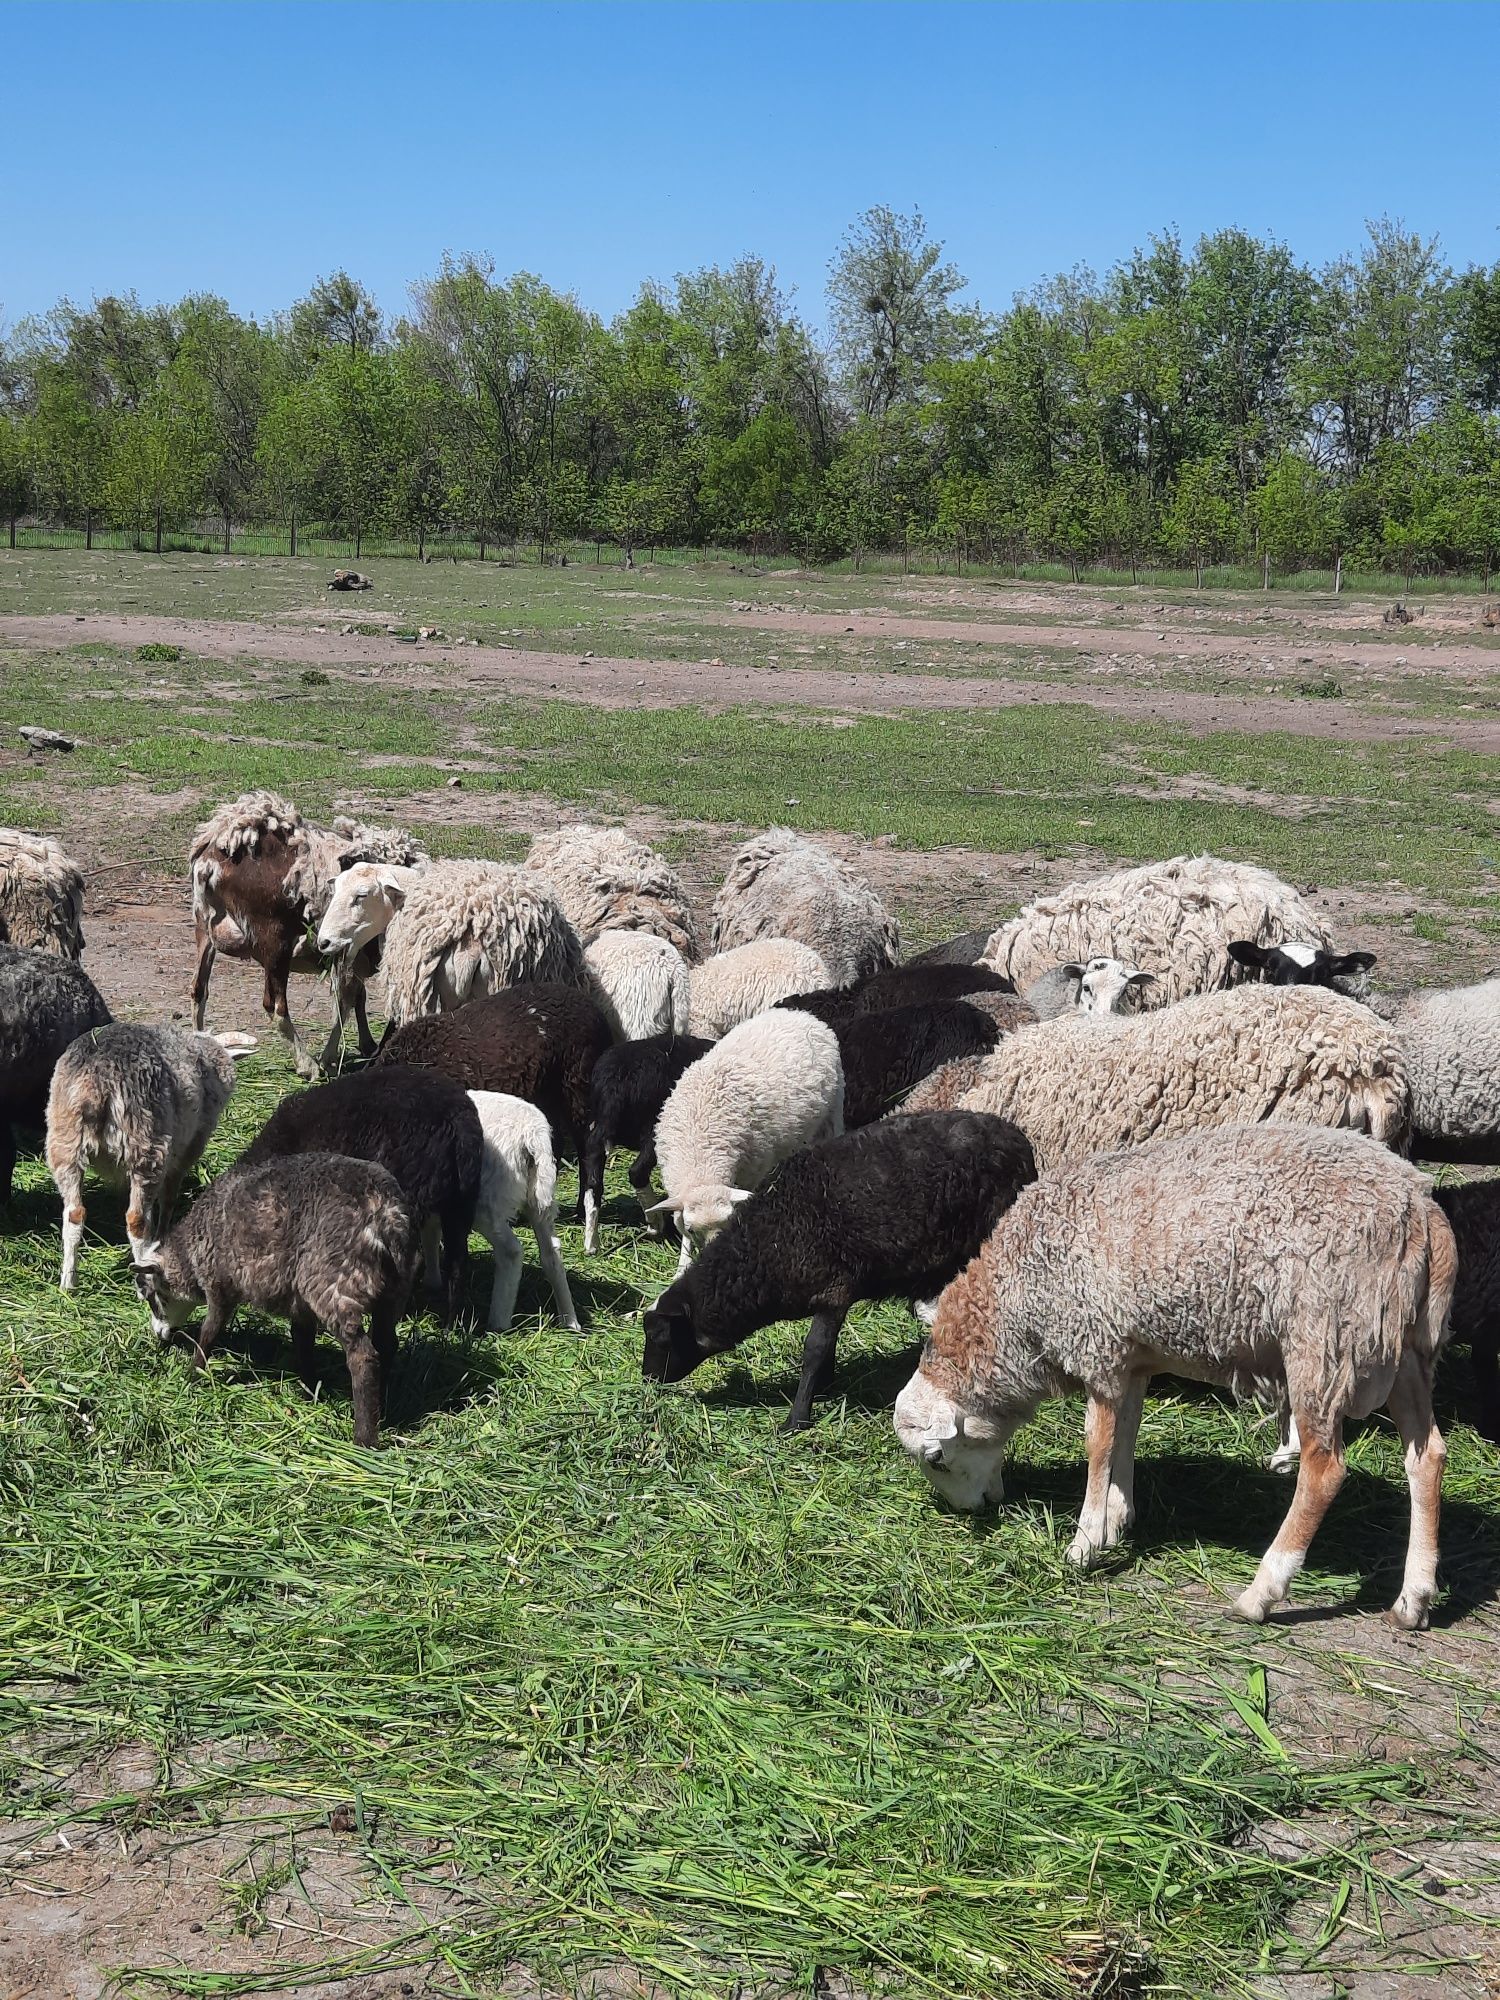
column 607, row 880
column 467, row 928
column 1171, row 918
column 641, row 983
column 773, row 1085
column 780, row 885
column 916, row 985
column 519, row 1177
column 965, row 949
column 630, row 1085
column 41, row 895
column 419, row 1126
column 46, row 1003
column 1296, row 1055
column 894, row 1211
column 1251, row 1256
column 138, row 1105
column 260, row 876
column 539, row 1042
column 734, row 986
column 1008, row 1011
column 326, row 1240
column 945, row 1089
column 887, row 1054
column 1473, row 1212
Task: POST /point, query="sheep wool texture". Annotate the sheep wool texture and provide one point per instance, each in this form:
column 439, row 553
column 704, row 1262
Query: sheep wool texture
column 1473, row 1212
column 780, row 885
column 145, row 1098
column 732, row 986
column 1300, row 1055
column 1174, row 919
column 474, row 927
column 886, row 1054
column 1452, row 1043
column 641, row 982
column 606, row 880
column 45, row 1003
column 41, row 895
column 944, row 1089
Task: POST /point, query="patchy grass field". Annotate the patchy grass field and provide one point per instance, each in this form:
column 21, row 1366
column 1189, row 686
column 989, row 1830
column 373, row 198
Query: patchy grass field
column 584, row 1686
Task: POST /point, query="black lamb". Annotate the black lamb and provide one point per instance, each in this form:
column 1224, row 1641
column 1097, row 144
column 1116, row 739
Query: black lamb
column 1473, row 1212
column 965, row 949
column 46, row 1003
column 630, row 1084
column 894, row 1211
column 420, row 1126
column 885, row 1055
column 899, row 986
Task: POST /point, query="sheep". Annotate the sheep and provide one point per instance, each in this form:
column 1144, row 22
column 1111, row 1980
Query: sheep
column 260, row 874
column 1008, row 1011
column 327, row 1240
column 780, row 885
column 965, row 949
column 539, row 1042
column 1303, row 965
column 471, row 927
column 606, row 880
column 519, row 1177
column 1473, row 1212
column 733, row 986
column 915, row 985
column 46, row 1003
column 139, row 1105
column 1171, row 918
column 1248, row 1256
column 944, row 1090
column 41, row 894
column 773, row 1085
column 1098, row 986
column 629, row 1086
column 887, row 1054
column 1293, row 1054
column 641, row 983
column 893, row 1211
column 419, row 1126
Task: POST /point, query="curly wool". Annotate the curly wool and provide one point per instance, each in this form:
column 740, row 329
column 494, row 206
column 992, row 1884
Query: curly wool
column 474, row 927
column 780, row 885
column 606, row 880
column 641, row 982
column 1087, row 1083
column 41, row 894
column 315, row 855
column 733, row 986
column 1175, row 919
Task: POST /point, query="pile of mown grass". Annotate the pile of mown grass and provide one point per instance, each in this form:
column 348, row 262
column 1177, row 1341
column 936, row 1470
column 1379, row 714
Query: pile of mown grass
column 662, row 1686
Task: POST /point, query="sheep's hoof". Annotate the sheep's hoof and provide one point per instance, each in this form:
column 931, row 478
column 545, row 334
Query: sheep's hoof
column 1081, row 1552
column 1409, row 1614
column 1255, row 1610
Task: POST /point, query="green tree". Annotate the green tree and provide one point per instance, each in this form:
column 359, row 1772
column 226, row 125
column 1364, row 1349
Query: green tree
column 1296, row 515
column 890, row 299
column 1201, row 520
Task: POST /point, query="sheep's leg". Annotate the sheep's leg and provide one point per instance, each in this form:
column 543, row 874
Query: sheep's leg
column 548, row 1255
column 817, row 1365
column 1410, row 1404
column 507, row 1276
column 274, row 1000
column 215, row 1321
column 364, row 1384
column 1484, row 1354
column 1119, row 1516
column 140, row 1216
column 207, row 953
column 383, row 1319
column 591, row 1185
column 1319, row 1477
column 639, row 1176
column 70, row 1187
column 1288, row 1454
column 333, row 1048
column 455, row 1264
column 432, row 1260
column 1110, row 1429
column 305, row 1345
column 685, row 1255
column 367, row 1042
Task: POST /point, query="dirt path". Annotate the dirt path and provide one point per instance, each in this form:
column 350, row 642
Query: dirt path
column 670, row 683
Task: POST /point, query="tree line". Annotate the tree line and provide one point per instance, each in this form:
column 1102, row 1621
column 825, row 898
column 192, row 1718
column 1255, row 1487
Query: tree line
column 1224, row 403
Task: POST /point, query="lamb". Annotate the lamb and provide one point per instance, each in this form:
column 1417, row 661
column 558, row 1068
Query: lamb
column 629, row 1086
column 139, row 1105
column 1098, row 986
column 1303, row 965
column 894, row 1211
column 1171, row 918
column 260, row 874
column 640, row 982
column 471, row 927
column 915, row 985
column 539, row 1042
column 965, row 949
column 780, row 885
column 1473, row 1212
column 773, row 1085
column 606, row 880
column 419, row 1126
column 326, row 1240
column 46, row 1003
column 1293, row 1054
column 735, row 985
column 1248, row 1256
column 885, row 1055
column 519, row 1177
column 41, row 895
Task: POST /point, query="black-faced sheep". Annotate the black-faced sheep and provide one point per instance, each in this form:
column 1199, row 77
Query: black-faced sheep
column 780, row 885
column 46, row 1003
column 629, row 1086
column 886, row 1054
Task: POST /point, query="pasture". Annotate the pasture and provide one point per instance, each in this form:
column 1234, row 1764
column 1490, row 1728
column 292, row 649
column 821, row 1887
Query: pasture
column 580, row 1685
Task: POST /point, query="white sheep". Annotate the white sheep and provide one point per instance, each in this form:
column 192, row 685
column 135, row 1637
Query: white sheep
column 41, row 894
column 138, row 1105
column 1097, row 986
column 607, row 880
column 1175, row 919
column 640, row 981
column 780, row 885
column 463, row 928
column 519, row 1177
column 1451, row 1040
column 1252, row 1256
column 773, row 1085
column 1297, row 1055
column 733, row 986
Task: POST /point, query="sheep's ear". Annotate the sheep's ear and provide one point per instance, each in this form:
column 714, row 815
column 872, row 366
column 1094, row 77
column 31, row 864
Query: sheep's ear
column 394, row 889
column 737, row 1195
column 1248, row 954
column 1141, row 979
column 146, row 1270
column 661, row 1207
column 1073, row 970
column 1352, row 961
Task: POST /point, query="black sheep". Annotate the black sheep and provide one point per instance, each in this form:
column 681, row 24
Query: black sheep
column 899, row 986
column 965, row 949
column 894, row 1211
column 887, row 1054
column 46, row 1003
column 1473, row 1212
column 420, row 1126
column 630, row 1084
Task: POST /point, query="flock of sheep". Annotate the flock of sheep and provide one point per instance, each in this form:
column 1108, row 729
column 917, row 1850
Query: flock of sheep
column 1156, row 1123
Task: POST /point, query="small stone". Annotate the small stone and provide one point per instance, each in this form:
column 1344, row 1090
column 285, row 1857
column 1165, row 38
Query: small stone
column 455, row 784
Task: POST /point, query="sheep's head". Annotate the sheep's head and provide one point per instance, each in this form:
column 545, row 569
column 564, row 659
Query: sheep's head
column 365, row 898
column 1303, row 965
column 960, row 1450
column 673, row 1347
column 701, row 1212
column 1109, row 986
column 169, row 1306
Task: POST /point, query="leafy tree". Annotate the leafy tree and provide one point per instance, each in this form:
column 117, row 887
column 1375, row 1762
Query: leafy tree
column 890, row 295
column 69, row 447
column 1296, row 514
column 337, row 312
column 1201, row 521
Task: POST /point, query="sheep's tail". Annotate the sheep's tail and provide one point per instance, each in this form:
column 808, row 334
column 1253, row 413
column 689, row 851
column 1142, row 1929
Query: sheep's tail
column 1430, row 1322
column 541, row 1182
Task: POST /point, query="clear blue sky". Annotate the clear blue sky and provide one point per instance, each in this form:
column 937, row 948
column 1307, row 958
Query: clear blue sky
column 246, row 148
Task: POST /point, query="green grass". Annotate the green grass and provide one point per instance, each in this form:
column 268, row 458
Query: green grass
column 663, row 1687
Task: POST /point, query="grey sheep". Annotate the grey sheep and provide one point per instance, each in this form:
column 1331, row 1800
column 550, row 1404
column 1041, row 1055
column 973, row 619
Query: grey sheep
column 780, row 885
column 46, row 1003
column 607, row 880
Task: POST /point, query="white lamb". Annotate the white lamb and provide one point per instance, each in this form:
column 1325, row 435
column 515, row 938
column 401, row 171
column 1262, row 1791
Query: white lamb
column 519, row 1177
column 734, row 986
column 641, row 982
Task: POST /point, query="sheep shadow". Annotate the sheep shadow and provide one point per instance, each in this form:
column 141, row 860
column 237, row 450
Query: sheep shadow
column 867, row 1382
